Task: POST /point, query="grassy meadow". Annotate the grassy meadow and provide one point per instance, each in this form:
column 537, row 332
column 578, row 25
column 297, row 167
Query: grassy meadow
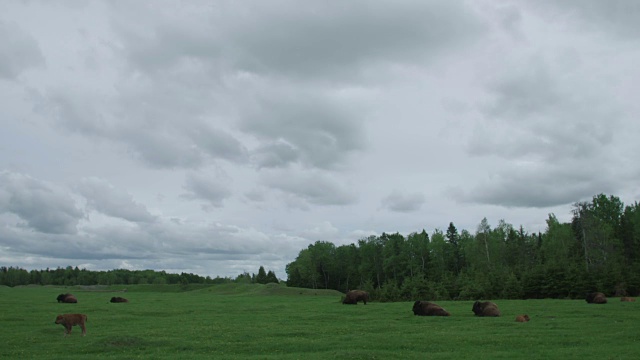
column 236, row 321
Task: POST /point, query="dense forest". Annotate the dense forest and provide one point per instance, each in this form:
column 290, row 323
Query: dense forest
column 599, row 250
column 70, row 276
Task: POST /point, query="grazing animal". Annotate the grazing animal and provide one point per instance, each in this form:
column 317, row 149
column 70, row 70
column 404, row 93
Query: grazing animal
column 353, row 296
column 425, row 308
column 627, row 299
column 486, row 308
column 118, row 299
column 522, row 318
column 596, row 298
column 67, row 298
column 69, row 320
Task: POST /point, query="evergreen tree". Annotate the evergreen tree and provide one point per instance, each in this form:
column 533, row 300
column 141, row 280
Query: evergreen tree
column 271, row 277
column 261, row 278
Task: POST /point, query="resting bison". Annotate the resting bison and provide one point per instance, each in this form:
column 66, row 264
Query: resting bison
column 425, row 308
column 486, row 308
column 67, row 298
column 596, row 298
column 69, row 320
column 628, row 299
column 353, row 296
column 522, row 318
column 118, row 299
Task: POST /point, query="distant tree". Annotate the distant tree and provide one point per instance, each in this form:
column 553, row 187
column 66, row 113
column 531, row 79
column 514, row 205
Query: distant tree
column 347, row 259
column 482, row 235
column 244, row 278
column 454, row 258
column 630, row 233
column 271, row 277
column 184, row 283
column 597, row 225
column 438, row 251
column 417, row 252
column 371, row 260
column 261, row 278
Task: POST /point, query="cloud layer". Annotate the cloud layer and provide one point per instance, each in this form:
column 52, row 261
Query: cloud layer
column 215, row 137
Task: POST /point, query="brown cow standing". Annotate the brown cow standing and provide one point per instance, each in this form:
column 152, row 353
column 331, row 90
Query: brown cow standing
column 353, row 296
column 486, row 308
column 522, row 318
column 627, row 299
column 70, row 320
column 596, row 298
column 118, row 299
column 425, row 308
column 67, row 298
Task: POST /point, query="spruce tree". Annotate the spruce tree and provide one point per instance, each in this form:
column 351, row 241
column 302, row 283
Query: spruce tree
column 261, row 278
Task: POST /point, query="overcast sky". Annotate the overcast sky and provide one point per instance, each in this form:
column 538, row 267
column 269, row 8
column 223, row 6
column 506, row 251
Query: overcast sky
column 213, row 137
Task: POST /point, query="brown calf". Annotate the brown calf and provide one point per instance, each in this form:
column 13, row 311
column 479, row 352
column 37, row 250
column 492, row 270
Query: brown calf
column 69, row 320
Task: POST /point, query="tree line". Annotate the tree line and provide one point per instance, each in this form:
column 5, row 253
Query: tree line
column 70, row 276
column 599, row 250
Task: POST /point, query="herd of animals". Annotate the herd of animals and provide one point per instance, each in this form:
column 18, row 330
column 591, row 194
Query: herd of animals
column 484, row 308
column 71, row 320
column 421, row 308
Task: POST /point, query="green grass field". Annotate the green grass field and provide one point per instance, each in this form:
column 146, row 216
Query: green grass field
column 275, row 322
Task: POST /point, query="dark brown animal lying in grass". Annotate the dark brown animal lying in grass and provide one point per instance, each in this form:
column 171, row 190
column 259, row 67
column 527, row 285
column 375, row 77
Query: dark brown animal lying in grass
column 486, row 308
column 353, row 296
column 627, row 299
column 118, row 299
column 522, row 318
column 70, row 320
column 67, row 298
column 425, row 308
column 596, row 298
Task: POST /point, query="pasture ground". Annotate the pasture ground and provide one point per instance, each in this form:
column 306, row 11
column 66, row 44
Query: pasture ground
column 235, row 321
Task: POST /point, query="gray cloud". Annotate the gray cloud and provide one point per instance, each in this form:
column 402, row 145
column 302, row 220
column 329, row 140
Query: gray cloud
column 330, row 41
column 175, row 71
column 316, row 188
column 212, row 189
column 321, row 131
column 19, row 51
column 275, row 154
column 519, row 106
column 536, row 187
column 162, row 149
column 231, row 41
column 538, row 122
column 403, row 202
column 158, row 241
column 105, row 198
column 287, row 39
column 43, row 207
column 154, row 133
column 218, row 143
column 619, row 18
